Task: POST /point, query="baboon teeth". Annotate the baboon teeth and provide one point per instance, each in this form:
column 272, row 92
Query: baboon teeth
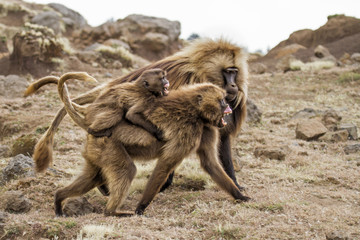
column 224, row 123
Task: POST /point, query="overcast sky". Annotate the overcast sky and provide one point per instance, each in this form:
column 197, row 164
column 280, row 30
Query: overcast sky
column 255, row 24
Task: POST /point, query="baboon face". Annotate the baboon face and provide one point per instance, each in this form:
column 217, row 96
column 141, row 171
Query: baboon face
column 213, row 106
column 155, row 81
column 222, row 64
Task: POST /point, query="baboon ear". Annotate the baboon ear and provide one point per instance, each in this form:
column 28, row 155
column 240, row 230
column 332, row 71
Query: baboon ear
column 199, row 99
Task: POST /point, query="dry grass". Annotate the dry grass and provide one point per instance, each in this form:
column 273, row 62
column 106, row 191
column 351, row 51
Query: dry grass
column 313, row 192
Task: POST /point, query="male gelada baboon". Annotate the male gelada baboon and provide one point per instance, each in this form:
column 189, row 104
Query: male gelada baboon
column 203, row 60
column 188, row 117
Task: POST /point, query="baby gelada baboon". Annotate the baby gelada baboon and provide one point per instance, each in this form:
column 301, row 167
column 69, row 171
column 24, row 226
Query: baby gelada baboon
column 129, row 99
column 188, row 117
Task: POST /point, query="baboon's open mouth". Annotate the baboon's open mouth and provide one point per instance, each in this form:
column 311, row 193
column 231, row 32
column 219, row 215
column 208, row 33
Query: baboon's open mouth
column 227, row 111
column 165, row 89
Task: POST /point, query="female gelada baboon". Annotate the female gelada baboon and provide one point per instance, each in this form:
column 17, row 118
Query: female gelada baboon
column 188, row 117
column 203, row 60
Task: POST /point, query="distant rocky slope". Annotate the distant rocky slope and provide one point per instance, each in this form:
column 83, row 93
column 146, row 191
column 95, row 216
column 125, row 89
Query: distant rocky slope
column 38, row 39
column 338, row 40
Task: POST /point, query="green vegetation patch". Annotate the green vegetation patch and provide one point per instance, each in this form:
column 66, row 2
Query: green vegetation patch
column 349, row 77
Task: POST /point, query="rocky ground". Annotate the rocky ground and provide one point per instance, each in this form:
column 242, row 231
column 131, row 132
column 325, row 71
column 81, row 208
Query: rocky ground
column 300, row 189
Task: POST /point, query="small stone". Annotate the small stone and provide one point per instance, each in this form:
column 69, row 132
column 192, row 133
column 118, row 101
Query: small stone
column 305, row 113
column 77, row 207
column 310, row 130
column 337, row 235
column 4, row 151
column 303, row 153
column 108, row 75
column 277, row 153
column 24, row 145
column 354, row 148
column 253, row 112
column 275, row 121
column 117, row 64
column 3, row 217
column 351, row 128
column 355, row 57
column 338, row 136
column 16, row 202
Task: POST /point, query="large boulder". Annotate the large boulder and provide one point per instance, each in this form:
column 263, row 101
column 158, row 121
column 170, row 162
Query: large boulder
column 339, row 35
column 50, row 19
column 70, row 17
column 61, row 19
column 149, row 37
column 36, row 49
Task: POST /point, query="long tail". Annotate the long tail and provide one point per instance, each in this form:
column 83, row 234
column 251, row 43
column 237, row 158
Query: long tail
column 39, row 83
column 64, row 95
column 44, row 147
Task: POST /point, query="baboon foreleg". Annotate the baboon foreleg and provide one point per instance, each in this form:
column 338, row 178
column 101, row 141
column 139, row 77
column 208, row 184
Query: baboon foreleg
column 119, row 171
column 226, row 159
column 158, row 177
column 89, row 178
column 210, row 163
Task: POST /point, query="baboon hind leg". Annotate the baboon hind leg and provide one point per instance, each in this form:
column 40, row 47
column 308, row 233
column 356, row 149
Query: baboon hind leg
column 89, row 178
column 119, row 172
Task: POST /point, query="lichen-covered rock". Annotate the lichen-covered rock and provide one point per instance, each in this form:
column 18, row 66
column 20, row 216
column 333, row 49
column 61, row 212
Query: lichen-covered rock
column 17, row 167
column 36, row 47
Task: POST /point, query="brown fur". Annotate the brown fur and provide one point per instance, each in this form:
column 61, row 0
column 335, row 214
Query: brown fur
column 131, row 98
column 108, row 109
column 202, row 61
column 188, row 117
column 43, row 149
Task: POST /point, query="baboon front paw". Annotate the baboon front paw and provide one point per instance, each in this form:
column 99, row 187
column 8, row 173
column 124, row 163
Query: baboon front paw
column 242, row 198
column 140, row 210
